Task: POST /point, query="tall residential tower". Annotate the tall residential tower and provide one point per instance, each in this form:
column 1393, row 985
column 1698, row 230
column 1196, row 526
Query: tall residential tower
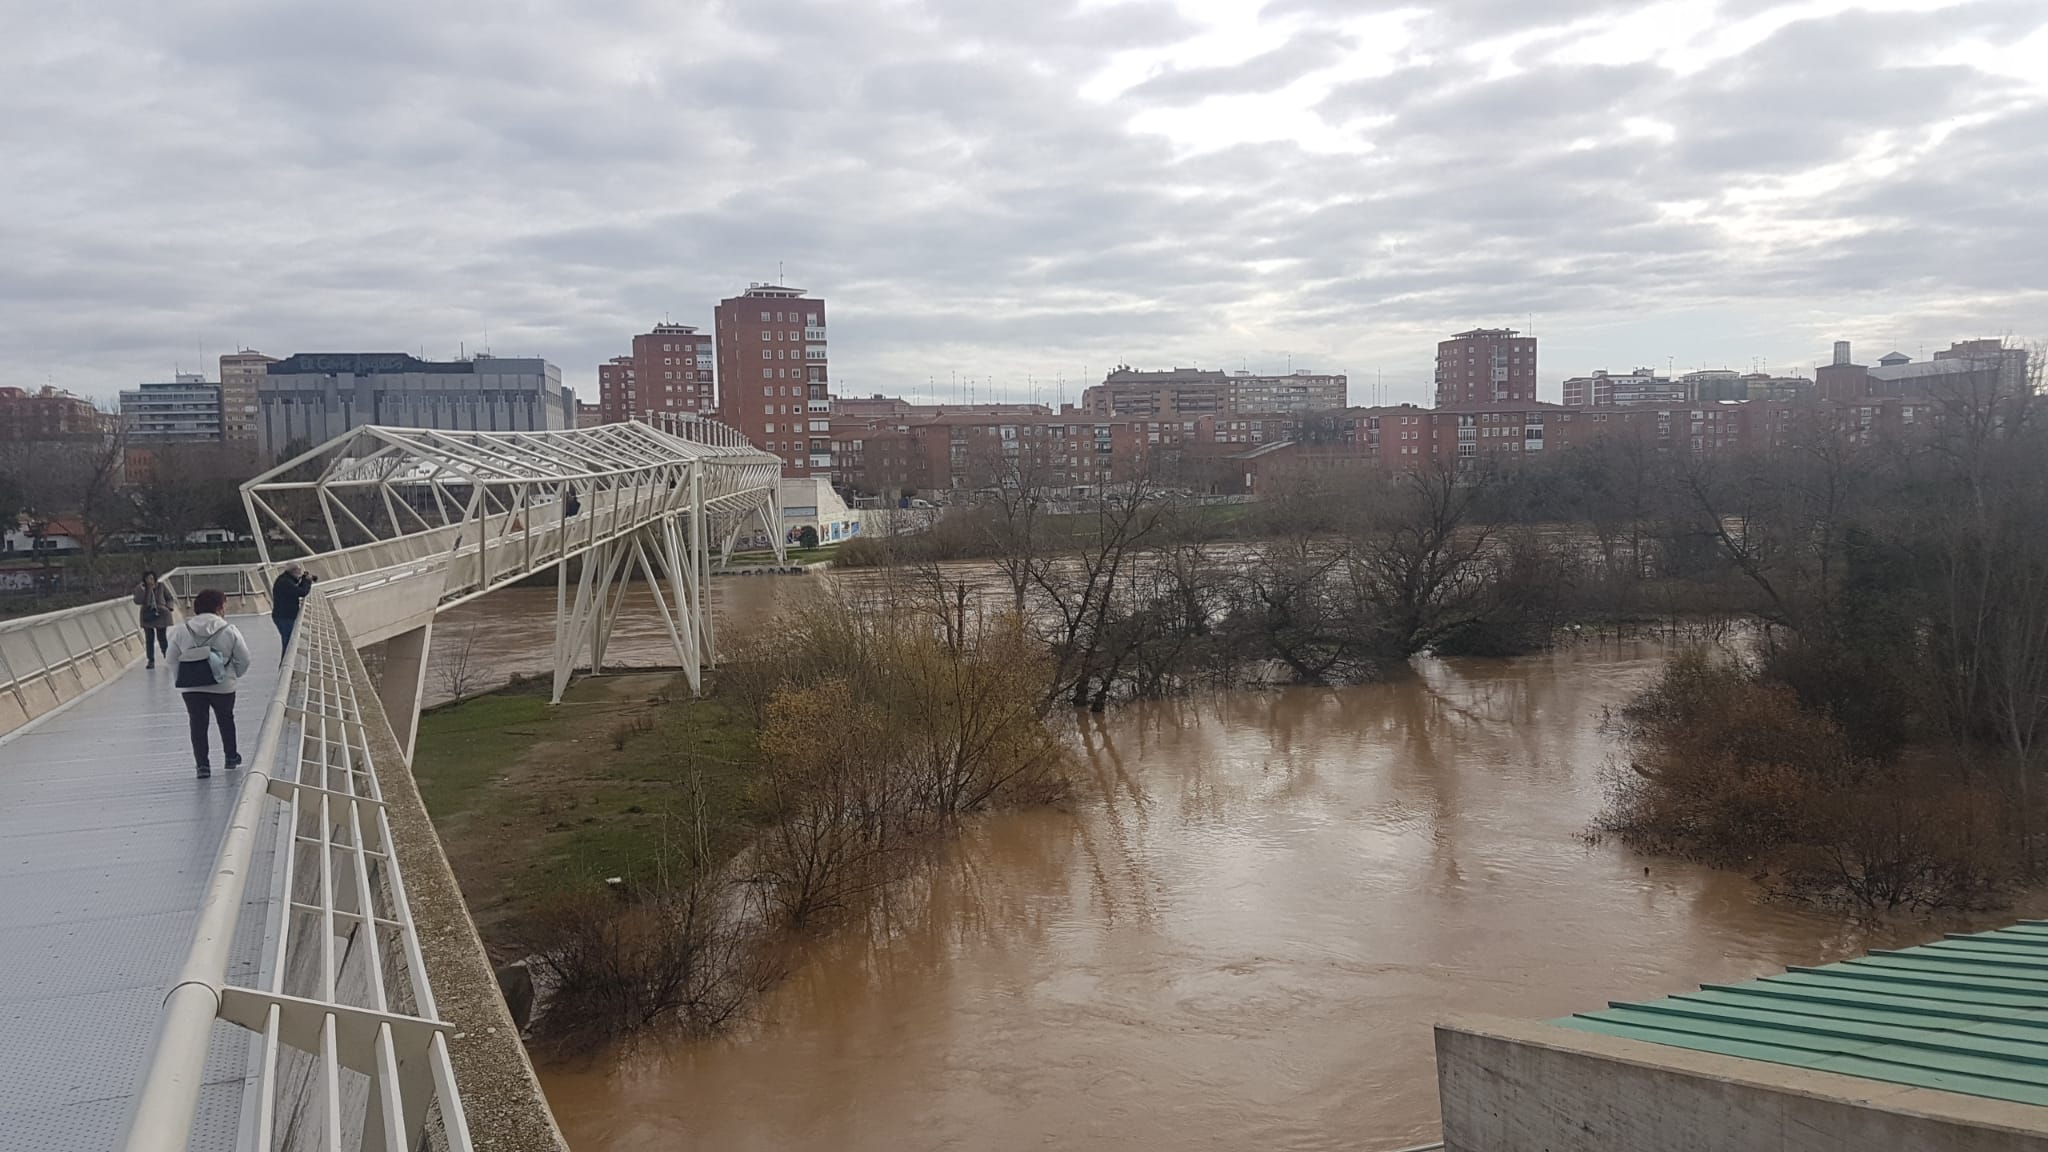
column 669, row 371
column 772, row 374
column 1485, row 366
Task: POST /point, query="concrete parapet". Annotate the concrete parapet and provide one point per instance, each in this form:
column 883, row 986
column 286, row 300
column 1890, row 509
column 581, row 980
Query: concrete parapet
column 1519, row 1086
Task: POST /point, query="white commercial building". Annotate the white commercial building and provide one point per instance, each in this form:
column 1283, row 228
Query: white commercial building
column 313, row 397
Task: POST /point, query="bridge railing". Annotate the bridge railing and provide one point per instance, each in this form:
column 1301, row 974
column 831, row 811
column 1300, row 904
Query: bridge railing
column 349, row 1052
column 50, row 659
column 245, row 585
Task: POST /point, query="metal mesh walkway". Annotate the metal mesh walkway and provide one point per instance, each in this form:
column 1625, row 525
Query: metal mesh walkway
column 107, row 842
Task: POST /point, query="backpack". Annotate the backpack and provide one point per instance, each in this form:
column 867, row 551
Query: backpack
column 203, row 674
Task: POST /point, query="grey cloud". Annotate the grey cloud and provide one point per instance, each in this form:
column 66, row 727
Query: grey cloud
column 1265, row 72
column 404, row 175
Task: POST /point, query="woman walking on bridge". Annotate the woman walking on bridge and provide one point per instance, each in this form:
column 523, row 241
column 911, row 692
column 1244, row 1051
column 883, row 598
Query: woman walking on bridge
column 154, row 598
column 210, row 656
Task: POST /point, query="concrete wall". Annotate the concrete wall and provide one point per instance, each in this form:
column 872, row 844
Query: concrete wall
column 1515, row 1086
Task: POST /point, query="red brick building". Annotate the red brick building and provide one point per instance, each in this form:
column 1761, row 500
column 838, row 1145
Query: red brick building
column 618, row 390
column 49, row 414
column 1486, row 366
column 1185, row 392
column 772, row 371
column 1176, row 392
column 670, row 370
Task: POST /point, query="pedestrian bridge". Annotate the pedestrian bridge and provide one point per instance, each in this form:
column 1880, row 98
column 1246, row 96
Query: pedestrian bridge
column 279, row 958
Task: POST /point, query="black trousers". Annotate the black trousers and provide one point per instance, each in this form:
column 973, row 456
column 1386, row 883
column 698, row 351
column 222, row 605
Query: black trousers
column 222, row 705
column 159, row 637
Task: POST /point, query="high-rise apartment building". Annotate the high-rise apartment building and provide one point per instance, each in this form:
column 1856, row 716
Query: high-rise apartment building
column 240, row 372
column 1486, row 366
column 772, row 374
column 618, row 389
column 1191, row 393
column 1604, row 389
column 187, row 408
column 670, row 370
column 675, row 364
column 1298, row 391
column 1170, row 392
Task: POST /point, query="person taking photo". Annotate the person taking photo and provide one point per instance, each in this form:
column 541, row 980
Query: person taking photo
column 287, row 595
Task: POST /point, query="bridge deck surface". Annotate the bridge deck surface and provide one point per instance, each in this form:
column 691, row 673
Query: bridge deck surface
column 107, row 841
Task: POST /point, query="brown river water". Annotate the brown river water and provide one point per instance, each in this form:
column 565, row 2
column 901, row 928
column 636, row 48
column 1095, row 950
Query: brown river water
column 1237, row 937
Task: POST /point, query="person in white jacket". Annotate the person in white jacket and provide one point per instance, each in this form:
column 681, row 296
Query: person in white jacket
column 210, row 656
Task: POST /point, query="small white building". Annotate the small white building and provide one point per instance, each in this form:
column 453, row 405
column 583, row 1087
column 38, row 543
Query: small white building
column 811, row 501
column 58, row 536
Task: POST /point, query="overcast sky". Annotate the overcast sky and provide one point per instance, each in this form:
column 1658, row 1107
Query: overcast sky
column 1021, row 189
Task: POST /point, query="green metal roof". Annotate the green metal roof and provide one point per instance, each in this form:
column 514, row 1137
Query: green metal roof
column 1964, row 1014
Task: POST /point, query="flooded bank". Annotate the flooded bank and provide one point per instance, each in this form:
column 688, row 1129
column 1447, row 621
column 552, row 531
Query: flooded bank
column 511, row 632
column 1238, row 937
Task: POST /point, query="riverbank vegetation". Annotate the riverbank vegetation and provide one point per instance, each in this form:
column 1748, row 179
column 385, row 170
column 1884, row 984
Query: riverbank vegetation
column 705, row 836
column 1879, row 745
column 1332, row 578
column 1875, row 742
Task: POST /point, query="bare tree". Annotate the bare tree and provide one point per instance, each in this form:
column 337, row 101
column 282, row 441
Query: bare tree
column 456, row 664
column 1422, row 565
column 1084, row 601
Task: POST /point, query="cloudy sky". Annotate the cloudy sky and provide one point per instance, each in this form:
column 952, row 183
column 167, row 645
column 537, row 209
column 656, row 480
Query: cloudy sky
column 1022, row 191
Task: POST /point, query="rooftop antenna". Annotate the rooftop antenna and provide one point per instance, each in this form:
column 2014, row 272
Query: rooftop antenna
column 778, row 274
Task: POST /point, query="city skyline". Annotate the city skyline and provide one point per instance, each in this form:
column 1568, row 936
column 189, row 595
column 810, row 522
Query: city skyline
column 1013, row 196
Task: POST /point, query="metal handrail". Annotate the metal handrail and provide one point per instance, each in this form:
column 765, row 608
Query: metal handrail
column 347, row 986
column 53, row 658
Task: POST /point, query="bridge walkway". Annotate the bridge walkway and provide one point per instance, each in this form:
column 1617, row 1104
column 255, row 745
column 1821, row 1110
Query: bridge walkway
column 107, row 841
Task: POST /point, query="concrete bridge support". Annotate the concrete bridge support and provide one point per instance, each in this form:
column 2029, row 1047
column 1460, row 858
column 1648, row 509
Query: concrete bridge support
column 403, row 682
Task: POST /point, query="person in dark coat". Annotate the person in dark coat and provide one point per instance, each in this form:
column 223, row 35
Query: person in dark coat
column 286, row 595
column 154, row 598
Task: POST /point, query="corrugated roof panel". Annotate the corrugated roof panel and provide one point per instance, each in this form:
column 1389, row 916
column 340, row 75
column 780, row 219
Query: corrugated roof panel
column 1964, row 1014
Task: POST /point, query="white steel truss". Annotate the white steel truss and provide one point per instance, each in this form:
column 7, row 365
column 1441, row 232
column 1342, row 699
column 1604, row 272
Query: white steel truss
column 400, row 523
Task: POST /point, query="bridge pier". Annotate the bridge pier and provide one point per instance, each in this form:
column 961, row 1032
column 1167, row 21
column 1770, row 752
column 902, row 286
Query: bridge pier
column 675, row 564
column 403, row 682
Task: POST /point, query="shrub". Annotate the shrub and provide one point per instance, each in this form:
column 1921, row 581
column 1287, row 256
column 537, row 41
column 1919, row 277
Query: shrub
column 1720, row 764
column 613, row 964
column 1728, row 767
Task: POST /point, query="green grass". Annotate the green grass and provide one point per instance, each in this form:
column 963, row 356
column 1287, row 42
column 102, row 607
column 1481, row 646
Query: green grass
column 462, row 746
column 629, row 777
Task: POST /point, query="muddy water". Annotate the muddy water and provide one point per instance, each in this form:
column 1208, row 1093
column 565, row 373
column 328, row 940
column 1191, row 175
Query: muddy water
column 481, row 644
column 1239, row 937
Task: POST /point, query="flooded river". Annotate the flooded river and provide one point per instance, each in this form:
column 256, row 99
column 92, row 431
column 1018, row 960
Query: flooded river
column 1238, row 937
column 481, row 644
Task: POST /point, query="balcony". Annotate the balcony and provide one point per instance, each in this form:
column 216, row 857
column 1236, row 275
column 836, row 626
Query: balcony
column 821, row 459
column 814, row 352
column 815, row 335
column 820, row 407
